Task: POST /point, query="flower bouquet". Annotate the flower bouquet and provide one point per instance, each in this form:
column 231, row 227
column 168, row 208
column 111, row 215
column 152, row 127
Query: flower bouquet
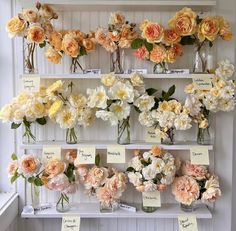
column 158, row 45
column 34, row 25
column 199, row 31
column 151, row 171
column 221, row 97
column 119, row 35
column 196, row 183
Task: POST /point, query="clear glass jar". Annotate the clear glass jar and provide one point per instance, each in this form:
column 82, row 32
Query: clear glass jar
column 117, row 61
column 35, row 195
column 200, row 59
column 169, row 140
column 71, row 136
column 63, row 204
column 160, row 68
column 29, row 132
column 123, row 132
column 189, row 208
column 149, row 209
column 29, row 56
column 75, row 66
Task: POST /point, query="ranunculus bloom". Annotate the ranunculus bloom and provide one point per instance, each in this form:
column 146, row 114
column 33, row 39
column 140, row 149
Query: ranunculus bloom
column 197, row 171
column 71, row 155
column 58, row 183
column 208, row 28
column 53, row 56
column 15, row 26
column 184, row 22
column 153, row 32
column 185, row 189
column 158, row 54
column 36, row 34
column 70, row 45
column 54, row 167
column 156, row 150
column 141, row 53
column 28, row 165
column 171, row 37
column 12, row 168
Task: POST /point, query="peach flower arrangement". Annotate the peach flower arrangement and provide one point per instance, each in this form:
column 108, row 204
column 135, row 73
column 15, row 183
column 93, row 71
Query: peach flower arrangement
column 196, row 183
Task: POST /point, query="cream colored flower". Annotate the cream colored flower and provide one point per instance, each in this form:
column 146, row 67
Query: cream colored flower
column 175, row 106
column 107, row 115
column 30, row 15
column 182, row 122
column 67, row 118
column 6, row 113
column 117, row 18
column 145, row 119
column 70, row 45
column 135, row 178
column 38, row 109
column 203, row 124
column 77, row 100
column 97, row 97
column 225, row 69
column 121, row 110
column 55, row 108
column 36, row 34
column 53, row 56
column 108, row 80
column 144, row 102
column 55, row 89
column 15, row 26
column 136, row 80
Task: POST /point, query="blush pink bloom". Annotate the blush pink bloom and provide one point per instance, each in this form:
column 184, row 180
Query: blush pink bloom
column 197, row 171
column 12, row 168
column 141, row 53
column 28, row 165
column 58, row 183
column 105, row 195
column 185, row 189
column 71, row 189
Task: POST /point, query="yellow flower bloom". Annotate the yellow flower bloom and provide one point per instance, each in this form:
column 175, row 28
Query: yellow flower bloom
column 53, row 56
column 54, row 89
column 164, row 106
column 56, row 106
column 15, row 26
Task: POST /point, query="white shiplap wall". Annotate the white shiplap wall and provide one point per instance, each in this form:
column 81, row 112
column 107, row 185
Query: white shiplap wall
column 85, row 21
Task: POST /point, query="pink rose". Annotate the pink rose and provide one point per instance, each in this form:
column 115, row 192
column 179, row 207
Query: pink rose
column 105, row 195
column 28, row 165
column 82, row 172
column 141, row 53
column 12, row 168
column 58, row 183
column 158, row 54
column 71, row 189
column 153, row 32
column 197, row 171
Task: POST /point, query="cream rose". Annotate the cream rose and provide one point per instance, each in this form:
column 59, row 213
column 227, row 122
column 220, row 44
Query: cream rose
column 15, row 26
column 30, row 15
column 53, row 56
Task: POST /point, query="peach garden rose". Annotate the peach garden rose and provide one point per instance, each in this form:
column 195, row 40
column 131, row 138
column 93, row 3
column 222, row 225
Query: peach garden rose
column 54, row 167
column 29, row 165
column 171, row 37
column 36, row 34
column 158, row 54
column 15, row 26
column 198, row 172
column 53, row 56
column 153, row 32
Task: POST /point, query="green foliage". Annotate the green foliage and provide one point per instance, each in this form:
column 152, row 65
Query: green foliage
column 148, row 45
column 70, row 173
column 137, row 43
column 97, row 160
column 14, row 177
column 82, row 51
column 151, row 91
column 166, row 95
column 41, row 121
column 188, row 40
column 15, row 125
column 130, row 169
column 42, row 45
column 14, row 156
column 38, row 181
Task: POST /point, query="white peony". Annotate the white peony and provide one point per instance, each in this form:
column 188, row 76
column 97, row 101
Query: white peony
column 193, row 104
column 149, row 186
column 225, row 69
column 182, row 122
column 97, row 97
column 136, row 164
column 145, row 119
column 227, row 92
column 67, row 118
column 107, row 115
column 135, row 178
column 144, row 102
column 120, row 109
column 157, row 164
column 149, row 172
column 226, row 105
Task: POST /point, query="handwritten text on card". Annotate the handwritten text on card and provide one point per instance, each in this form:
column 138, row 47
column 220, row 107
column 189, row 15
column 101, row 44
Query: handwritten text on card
column 115, row 154
column 151, row 136
column 70, row 223
column 86, row 155
column 199, row 155
column 152, row 199
column 51, row 152
column 202, row 82
column 187, row 223
column 31, row 84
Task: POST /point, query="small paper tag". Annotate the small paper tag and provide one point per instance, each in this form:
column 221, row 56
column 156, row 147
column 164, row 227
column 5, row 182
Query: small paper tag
column 115, row 154
column 152, row 199
column 202, row 82
column 151, row 136
column 127, row 207
column 138, row 71
column 92, row 71
column 86, row 155
column 30, row 83
column 180, row 71
column 187, row 223
column 199, row 155
column 51, row 152
column 70, row 223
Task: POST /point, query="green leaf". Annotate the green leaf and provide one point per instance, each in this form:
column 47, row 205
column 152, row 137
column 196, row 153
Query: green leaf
column 198, row 19
column 42, row 45
column 187, row 40
column 14, row 177
column 171, row 90
column 97, row 160
column 130, row 169
column 26, row 123
column 41, row 121
column 31, row 179
column 83, row 51
column 148, row 45
column 210, row 44
column 15, row 125
column 163, row 93
column 137, row 43
column 144, row 162
column 137, row 109
column 14, row 156
column 38, row 181
column 151, row 91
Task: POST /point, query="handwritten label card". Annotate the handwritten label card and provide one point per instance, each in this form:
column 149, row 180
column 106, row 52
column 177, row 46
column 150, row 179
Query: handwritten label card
column 31, row 84
column 151, row 136
column 202, row 82
column 187, row 223
column 199, row 155
column 51, row 152
column 152, row 199
column 116, row 154
column 70, row 223
column 86, row 155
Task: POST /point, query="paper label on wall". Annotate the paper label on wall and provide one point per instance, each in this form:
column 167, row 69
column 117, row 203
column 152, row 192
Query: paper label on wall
column 151, row 136
column 30, row 83
column 51, row 152
column 152, row 199
column 116, row 154
column 187, row 223
column 202, row 82
column 199, row 155
column 70, row 223
column 86, row 155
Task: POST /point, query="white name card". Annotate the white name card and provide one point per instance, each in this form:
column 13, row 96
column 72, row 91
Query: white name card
column 199, row 155
column 51, row 152
column 70, row 223
column 30, row 84
column 151, row 136
column 116, row 154
column 202, row 82
column 86, row 155
column 187, row 223
column 152, row 199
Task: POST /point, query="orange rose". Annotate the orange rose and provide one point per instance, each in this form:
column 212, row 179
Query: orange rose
column 178, row 49
column 171, row 37
column 55, row 40
column 15, row 26
column 156, row 150
column 71, row 155
column 184, row 22
column 12, row 168
column 225, row 30
column 170, row 55
column 30, row 15
column 28, row 165
column 54, row 167
column 153, row 32
column 88, row 45
column 53, row 56
column 208, row 29
column 36, row 34
column 70, row 46
column 100, row 36
column 114, row 36
column 158, row 54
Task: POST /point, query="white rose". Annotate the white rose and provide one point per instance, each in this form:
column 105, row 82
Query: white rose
column 149, row 172
column 193, row 104
column 135, row 178
column 227, row 105
column 107, row 115
column 146, row 155
column 136, row 80
column 144, row 102
column 225, row 69
column 167, row 180
column 227, row 92
column 149, row 186
column 145, row 119
column 97, row 97
column 157, row 164
column 120, row 109
column 136, row 163
column 182, row 122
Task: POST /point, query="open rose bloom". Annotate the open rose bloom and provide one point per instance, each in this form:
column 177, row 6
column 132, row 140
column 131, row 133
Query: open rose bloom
column 196, row 183
column 151, row 171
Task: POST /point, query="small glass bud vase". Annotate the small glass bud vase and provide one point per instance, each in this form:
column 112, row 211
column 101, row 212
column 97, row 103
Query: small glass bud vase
column 75, row 66
column 63, row 204
column 35, row 195
column 189, row 208
column 29, row 56
column 117, row 61
column 124, row 131
column 149, row 209
column 160, row 68
column 108, row 207
column 29, row 132
column 71, row 136
column 169, row 140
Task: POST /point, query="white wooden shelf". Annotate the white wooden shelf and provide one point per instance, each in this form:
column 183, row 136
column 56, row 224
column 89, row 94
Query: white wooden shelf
column 91, row 210
column 103, row 145
column 98, row 76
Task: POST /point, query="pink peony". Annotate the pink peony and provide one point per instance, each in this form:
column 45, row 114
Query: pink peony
column 58, row 183
column 71, row 189
column 197, row 171
column 105, row 195
column 141, row 53
column 185, row 189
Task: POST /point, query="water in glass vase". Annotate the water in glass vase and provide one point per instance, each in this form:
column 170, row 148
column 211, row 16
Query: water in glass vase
column 188, row 208
column 35, row 193
column 117, row 61
column 149, row 209
column 123, row 132
column 30, row 61
column 29, row 132
column 169, row 140
column 63, row 204
column 71, row 136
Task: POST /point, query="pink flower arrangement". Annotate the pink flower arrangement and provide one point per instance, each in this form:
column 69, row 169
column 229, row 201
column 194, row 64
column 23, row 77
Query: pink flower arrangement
column 142, row 53
column 198, row 172
column 58, row 183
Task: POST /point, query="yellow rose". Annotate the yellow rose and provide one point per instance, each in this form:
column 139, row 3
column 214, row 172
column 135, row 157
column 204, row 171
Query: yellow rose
column 170, row 55
column 117, row 19
column 208, row 29
column 143, row 24
column 30, row 15
column 175, row 106
column 38, row 109
column 53, row 90
column 164, row 106
column 6, row 113
column 23, row 98
column 56, row 106
column 53, row 56
column 189, row 89
column 70, row 46
column 88, row 45
column 15, row 26
column 171, row 37
column 55, row 40
column 184, row 22
column 36, row 34
column 108, row 80
column 225, row 29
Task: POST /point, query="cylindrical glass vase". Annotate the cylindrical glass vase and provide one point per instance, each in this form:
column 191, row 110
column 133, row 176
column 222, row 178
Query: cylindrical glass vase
column 63, row 204
column 29, row 132
column 71, row 136
column 29, row 56
column 117, row 61
column 200, row 59
column 35, row 195
column 123, row 131
column 169, row 140
column 188, row 208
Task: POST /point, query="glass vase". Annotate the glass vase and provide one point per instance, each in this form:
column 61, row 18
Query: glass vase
column 63, row 204
column 169, row 140
column 106, row 207
column 29, row 132
column 161, row 68
column 29, row 56
column 188, row 208
column 35, row 193
column 75, row 66
column 71, row 136
column 200, row 59
column 149, row 209
column 205, row 135
column 117, row 61
column 123, row 132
